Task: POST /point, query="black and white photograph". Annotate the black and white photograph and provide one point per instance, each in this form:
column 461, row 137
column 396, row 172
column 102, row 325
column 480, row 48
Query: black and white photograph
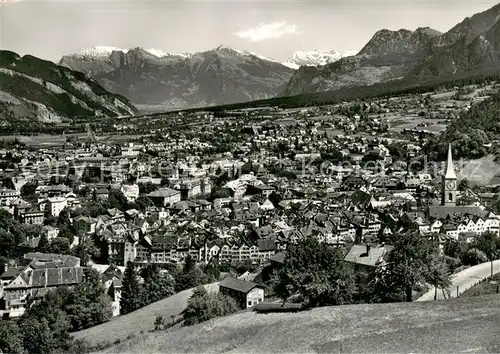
column 251, row 177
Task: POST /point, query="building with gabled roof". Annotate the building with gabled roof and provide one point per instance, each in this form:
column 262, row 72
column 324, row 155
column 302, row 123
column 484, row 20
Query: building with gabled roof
column 247, row 294
column 44, row 273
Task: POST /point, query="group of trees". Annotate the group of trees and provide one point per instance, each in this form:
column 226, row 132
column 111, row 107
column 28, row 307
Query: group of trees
column 45, row 326
column 316, row 274
column 157, row 285
column 160, row 283
column 12, row 233
column 203, row 306
column 484, row 248
column 470, row 132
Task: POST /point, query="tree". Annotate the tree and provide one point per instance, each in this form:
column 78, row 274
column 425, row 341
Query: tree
column 68, row 232
column 489, row 243
column 130, row 300
column 11, row 340
column 50, row 309
column 438, row 275
column 28, row 191
column 43, row 244
column 63, row 218
column 117, row 199
column 190, row 276
column 86, row 248
column 146, row 188
column 454, row 249
column 23, row 232
column 7, row 183
column 6, row 220
column 37, row 336
column 157, row 285
column 203, row 306
column 59, row 245
column 159, row 323
column 316, row 272
column 88, row 304
column 409, row 264
column 143, row 203
column 8, row 244
column 463, row 185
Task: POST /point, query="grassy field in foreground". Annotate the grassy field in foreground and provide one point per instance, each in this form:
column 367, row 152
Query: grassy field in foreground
column 123, row 327
column 458, row 325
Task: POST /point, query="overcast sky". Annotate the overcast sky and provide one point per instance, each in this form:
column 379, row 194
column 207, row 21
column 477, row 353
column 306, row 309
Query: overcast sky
column 276, row 29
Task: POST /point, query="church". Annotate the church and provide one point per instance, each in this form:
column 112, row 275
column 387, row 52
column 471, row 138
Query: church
column 449, row 193
column 449, row 183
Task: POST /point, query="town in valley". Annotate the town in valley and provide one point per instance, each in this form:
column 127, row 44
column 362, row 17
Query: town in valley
column 253, row 210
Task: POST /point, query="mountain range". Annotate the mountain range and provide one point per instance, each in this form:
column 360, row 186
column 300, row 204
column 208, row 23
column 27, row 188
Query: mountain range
column 218, row 76
column 221, row 75
column 36, row 90
column 225, row 75
column 469, row 48
column 96, row 81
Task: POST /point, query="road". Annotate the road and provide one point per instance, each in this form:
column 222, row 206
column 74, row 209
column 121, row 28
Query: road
column 464, row 280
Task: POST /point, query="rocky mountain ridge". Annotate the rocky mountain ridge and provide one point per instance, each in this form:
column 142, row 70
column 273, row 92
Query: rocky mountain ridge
column 32, row 89
column 421, row 55
column 218, row 76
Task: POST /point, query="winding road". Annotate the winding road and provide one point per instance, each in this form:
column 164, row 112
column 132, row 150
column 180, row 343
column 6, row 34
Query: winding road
column 464, row 280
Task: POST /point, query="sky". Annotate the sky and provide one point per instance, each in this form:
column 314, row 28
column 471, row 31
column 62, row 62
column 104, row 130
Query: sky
column 275, row 29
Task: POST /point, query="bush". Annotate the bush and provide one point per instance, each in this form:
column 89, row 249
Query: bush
column 159, row 323
column 203, row 306
column 473, row 257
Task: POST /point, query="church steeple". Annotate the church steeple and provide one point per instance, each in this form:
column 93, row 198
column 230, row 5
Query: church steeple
column 450, row 169
column 449, row 184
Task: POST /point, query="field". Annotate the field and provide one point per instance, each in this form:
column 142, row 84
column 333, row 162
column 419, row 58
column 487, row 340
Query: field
column 480, row 171
column 46, row 140
column 143, row 319
column 448, row 326
column 398, row 124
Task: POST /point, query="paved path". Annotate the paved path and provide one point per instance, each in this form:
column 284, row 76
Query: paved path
column 464, row 280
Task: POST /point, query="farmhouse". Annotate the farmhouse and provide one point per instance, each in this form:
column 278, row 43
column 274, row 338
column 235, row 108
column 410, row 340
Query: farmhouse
column 247, row 294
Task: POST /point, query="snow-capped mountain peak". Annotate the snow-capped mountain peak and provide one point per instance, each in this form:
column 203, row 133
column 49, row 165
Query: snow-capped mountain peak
column 225, row 48
column 105, row 51
column 157, row 53
column 316, row 57
column 261, row 56
column 100, row 51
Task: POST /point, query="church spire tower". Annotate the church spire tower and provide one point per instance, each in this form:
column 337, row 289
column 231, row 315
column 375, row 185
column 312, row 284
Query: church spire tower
column 449, row 185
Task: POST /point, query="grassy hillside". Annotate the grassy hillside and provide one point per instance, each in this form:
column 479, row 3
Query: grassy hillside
column 133, row 323
column 448, row 326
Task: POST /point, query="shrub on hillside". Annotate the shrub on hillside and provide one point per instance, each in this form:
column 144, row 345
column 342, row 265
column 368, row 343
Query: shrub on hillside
column 203, row 306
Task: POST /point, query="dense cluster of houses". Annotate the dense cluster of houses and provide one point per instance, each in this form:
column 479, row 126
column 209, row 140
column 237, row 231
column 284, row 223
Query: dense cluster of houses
column 243, row 205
